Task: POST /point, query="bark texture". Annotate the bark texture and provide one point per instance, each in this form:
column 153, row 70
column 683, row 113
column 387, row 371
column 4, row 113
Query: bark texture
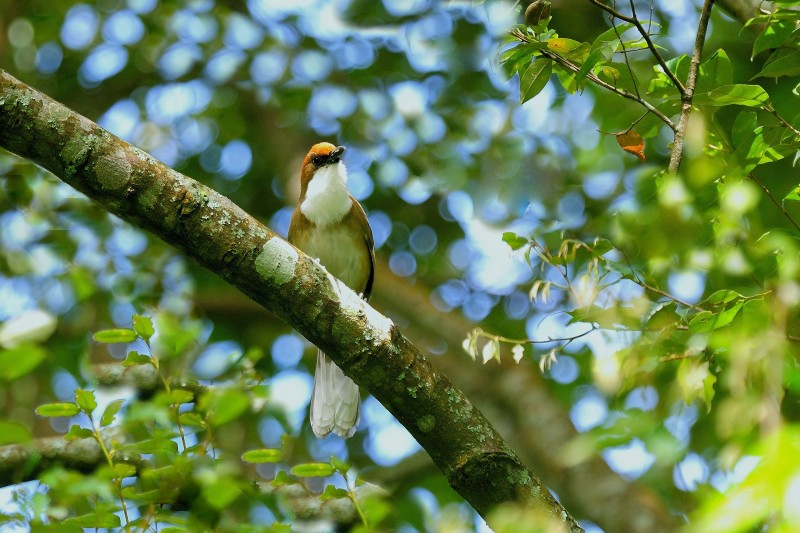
column 220, row 236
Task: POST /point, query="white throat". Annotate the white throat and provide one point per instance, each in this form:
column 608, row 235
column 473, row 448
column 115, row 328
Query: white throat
column 327, row 199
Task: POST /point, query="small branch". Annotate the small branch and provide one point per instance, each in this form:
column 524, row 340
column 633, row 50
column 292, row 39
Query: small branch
column 625, row 55
column 775, row 201
column 770, row 109
column 688, row 93
column 646, row 36
column 622, row 92
column 567, row 64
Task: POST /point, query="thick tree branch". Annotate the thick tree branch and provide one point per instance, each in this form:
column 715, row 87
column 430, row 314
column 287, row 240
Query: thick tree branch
column 23, row 462
column 688, row 94
column 217, row 234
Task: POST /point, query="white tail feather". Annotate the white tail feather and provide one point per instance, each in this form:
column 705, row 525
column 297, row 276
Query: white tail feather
column 335, row 402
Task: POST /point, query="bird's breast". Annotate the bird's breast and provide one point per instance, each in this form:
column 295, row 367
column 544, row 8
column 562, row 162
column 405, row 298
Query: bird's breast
column 342, row 251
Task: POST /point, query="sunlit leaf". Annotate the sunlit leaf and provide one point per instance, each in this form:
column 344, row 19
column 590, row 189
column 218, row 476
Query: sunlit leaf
column 143, row 326
column 136, row 358
column 85, row 400
column 263, row 455
column 20, row 361
column 110, row 412
column 95, row 520
column 332, row 493
column 115, row 335
column 782, row 63
column 514, row 241
column 313, row 470
column 77, row 432
column 739, row 94
column 58, row 409
column 534, row 79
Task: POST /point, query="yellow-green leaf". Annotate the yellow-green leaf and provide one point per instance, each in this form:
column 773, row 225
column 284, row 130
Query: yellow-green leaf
column 58, row 409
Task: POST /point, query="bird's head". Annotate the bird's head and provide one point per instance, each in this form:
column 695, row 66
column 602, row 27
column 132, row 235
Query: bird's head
column 320, row 158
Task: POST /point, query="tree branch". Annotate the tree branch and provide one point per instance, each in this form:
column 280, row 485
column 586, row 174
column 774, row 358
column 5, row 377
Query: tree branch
column 633, row 19
column 24, row 462
column 564, row 62
column 217, row 234
column 688, row 94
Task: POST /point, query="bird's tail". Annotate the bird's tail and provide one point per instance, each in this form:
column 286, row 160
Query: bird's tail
column 335, row 403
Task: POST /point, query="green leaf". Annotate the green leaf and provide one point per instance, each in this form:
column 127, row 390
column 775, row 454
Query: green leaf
column 123, row 470
column 77, row 432
column 665, row 316
column 601, row 247
column 743, row 128
column 514, row 241
column 109, row 336
column 136, row 358
column 715, row 72
column 221, row 492
column 340, row 465
column 774, row 35
column 332, row 493
column 783, row 64
column 58, row 409
column 263, row 455
column 611, row 35
column 95, row 520
column 143, row 326
column 180, row 396
column 738, row 94
column 604, row 53
column 661, row 86
column 723, row 296
column 534, row 79
column 517, row 58
column 85, row 400
column 110, row 412
column 794, row 195
column 313, row 470
column 13, row 433
column 751, row 150
column 224, row 406
column 706, row 321
column 192, row 419
column 283, row 478
column 20, row 361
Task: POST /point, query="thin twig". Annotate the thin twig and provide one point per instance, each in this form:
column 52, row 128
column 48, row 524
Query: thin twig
column 646, row 36
column 625, row 55
column 621, row 92
column 775, row 201
column 688, row 92
column 564, row 62
column 770, row 109
column 501, row 338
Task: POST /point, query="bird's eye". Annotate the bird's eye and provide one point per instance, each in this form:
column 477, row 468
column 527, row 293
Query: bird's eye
column 317, row 160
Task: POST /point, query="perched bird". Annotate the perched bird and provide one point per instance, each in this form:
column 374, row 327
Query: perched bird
column 331, row 226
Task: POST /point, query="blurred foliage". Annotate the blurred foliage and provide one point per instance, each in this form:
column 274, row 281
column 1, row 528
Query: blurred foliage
column 661, row 308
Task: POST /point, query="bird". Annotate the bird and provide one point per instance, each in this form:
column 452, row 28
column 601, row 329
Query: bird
column 330, row 225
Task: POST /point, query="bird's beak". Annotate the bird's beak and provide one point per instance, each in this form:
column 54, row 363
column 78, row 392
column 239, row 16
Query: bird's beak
column 336, row 154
